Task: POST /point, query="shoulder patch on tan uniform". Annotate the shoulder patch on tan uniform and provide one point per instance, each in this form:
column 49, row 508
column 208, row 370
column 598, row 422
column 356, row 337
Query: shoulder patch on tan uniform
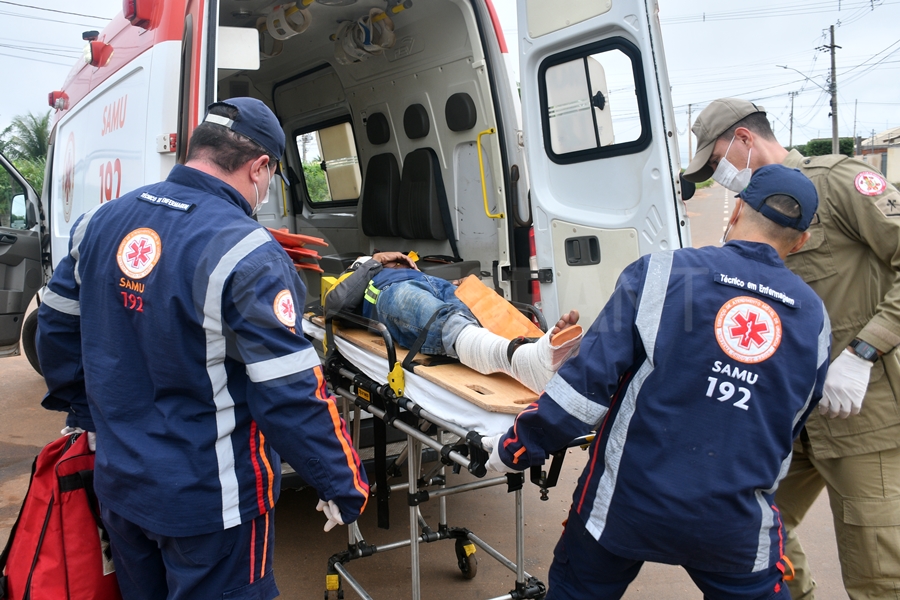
column 889, row 204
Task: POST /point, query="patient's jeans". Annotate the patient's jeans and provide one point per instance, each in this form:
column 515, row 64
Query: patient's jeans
column 405, row 308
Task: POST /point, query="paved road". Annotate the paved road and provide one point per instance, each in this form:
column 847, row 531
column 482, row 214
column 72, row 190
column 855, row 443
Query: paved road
column 302, row 549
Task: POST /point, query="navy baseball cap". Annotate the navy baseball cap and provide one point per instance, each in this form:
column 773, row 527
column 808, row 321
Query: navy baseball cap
column 256, row 122
column 772, row 180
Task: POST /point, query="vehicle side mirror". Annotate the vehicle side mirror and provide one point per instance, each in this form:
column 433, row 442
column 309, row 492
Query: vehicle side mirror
column 687, row 187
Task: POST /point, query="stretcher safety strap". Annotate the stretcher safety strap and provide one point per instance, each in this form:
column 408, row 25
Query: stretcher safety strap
column 371, row 294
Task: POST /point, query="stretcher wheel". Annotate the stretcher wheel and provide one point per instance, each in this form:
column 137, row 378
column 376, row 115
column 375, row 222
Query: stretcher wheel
column 465, row 558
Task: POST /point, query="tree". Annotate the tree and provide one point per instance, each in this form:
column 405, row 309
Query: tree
column 27, row 137
column 822, row 146
column 316, row 184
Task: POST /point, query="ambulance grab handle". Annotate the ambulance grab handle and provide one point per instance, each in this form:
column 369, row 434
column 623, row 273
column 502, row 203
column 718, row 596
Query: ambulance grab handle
column 487, row 210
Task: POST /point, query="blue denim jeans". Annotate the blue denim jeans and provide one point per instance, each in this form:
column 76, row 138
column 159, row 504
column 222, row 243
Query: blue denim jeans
column 405, row 308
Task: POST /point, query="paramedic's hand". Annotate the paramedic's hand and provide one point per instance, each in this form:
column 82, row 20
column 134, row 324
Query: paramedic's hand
column 845, row 386
column 492, row 445
column 393, row 260
column 332, row 513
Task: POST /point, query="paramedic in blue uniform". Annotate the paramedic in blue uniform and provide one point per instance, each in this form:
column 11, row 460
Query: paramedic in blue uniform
column 697, row 376
column 170, row 330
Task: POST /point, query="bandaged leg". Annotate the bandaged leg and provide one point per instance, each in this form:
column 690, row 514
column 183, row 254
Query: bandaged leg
column 531, row 364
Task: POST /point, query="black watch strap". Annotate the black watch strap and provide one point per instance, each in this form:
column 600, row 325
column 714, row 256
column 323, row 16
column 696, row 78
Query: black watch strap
column 864, row 350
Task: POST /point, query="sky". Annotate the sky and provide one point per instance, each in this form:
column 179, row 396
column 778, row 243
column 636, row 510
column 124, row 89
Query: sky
column 714, row 48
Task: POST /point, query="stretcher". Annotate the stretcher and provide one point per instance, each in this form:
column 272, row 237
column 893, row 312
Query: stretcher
column 444, row 409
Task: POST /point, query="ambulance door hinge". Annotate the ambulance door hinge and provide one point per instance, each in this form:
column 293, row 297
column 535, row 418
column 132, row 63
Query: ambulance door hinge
column 167, row 143
column 523, row 274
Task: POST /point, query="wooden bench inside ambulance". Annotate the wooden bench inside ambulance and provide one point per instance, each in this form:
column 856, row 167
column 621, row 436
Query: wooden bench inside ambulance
column 413, row 205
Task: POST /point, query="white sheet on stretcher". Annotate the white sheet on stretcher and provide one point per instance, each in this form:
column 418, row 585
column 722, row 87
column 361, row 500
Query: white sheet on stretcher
column 430, row 396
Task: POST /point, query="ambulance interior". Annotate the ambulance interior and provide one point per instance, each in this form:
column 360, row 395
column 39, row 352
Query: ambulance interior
column 381, row 151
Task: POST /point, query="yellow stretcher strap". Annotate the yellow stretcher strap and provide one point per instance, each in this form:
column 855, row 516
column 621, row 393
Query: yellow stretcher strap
column 396, row 379
column 493, row 312
column 371, row 294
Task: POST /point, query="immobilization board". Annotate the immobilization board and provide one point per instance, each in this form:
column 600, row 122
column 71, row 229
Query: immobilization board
column 494, row 393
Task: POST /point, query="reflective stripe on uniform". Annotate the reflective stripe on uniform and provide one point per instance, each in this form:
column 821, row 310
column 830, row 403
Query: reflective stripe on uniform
column 371, row 294
column 77, row 237
column 218, row 377
column 767, row 521
column 61, row 303
column 647, row 319
column 283, row 366
column 586, row 411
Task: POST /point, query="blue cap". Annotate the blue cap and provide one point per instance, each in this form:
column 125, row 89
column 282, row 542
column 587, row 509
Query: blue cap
column 255, row 121
column 772, row 180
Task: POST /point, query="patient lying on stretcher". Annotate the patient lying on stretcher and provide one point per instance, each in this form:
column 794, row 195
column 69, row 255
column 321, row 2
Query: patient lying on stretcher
column 388, row 287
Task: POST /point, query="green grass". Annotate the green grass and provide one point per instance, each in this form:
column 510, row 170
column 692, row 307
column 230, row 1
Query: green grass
column 704, row 184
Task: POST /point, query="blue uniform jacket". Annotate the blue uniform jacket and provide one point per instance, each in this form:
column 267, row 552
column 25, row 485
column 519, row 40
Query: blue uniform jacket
column 170, row 329
column 697, row 375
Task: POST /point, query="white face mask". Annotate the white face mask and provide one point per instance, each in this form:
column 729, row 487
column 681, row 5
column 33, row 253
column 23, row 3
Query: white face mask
column 729, row 177
column 265, row 197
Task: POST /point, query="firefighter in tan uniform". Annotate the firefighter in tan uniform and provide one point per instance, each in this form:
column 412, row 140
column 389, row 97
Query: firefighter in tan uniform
column 851, row 446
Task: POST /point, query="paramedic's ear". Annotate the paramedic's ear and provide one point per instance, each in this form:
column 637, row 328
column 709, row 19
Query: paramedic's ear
column 258, row 166
column 804, row 237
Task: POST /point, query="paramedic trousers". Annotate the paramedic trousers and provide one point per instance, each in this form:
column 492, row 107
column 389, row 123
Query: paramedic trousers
column 864, row 493
column 583, row 569
column 406, row 307
column 233, row 564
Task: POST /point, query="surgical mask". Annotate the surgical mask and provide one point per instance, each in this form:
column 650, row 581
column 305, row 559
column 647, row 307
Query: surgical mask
column 265, row 197
column 728, row 176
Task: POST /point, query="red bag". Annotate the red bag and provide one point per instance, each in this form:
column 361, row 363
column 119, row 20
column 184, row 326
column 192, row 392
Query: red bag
column 58, row 548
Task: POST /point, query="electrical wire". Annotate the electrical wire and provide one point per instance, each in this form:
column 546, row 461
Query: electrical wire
column 49, row 62
column 45, row 20
column 62, row 12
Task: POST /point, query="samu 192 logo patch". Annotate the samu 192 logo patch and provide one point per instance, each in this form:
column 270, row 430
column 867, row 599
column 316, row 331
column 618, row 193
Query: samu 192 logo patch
column 139, row 252
column 748, row 330
column 284, row 308
column 869, row 184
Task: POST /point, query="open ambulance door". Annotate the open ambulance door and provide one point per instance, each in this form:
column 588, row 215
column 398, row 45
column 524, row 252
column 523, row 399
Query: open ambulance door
column 600, row 143
column 20, row 254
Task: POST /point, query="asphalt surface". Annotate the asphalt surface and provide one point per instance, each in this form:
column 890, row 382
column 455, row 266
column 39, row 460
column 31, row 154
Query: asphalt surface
column 302, row 549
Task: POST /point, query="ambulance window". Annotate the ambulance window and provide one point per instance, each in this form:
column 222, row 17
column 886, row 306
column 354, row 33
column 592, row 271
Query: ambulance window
column 330, row 163
column 12, row 202
column 594, row 102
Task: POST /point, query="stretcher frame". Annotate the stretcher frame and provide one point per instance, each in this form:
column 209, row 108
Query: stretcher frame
column 455, row 447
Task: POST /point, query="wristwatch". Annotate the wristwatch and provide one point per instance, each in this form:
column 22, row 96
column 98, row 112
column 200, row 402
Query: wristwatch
column 864, row 350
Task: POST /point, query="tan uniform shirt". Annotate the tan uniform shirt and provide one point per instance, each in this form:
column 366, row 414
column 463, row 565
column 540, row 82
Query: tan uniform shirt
column 852, row 261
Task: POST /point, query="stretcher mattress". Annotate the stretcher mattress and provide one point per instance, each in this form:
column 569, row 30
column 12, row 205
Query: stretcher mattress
column 487, row 404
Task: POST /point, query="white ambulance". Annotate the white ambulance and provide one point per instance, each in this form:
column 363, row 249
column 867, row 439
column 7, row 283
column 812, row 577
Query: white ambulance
column 405, row 132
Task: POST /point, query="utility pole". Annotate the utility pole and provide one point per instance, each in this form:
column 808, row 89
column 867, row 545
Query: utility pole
column 835, row 145
column 791, row 142
column 690, row 154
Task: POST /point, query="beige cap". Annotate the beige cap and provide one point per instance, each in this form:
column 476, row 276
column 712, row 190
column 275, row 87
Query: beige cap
column 716, row 119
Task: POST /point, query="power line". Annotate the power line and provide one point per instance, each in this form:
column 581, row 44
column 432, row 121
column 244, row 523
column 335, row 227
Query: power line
column 72, row 54
column 62, row 12
column 804, row 8
column 49, row 62
column 44, row 20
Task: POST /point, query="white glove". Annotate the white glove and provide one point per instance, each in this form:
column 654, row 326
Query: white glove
column 492, row 446
column 845, row 386
column 332, row 513
column 92, row 437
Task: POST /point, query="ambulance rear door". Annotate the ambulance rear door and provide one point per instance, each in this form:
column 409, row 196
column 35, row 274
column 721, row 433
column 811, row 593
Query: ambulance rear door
column 600, row 143
column 20, row 254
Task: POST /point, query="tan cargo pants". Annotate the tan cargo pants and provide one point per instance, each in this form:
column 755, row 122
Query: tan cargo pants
column 864, row 492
